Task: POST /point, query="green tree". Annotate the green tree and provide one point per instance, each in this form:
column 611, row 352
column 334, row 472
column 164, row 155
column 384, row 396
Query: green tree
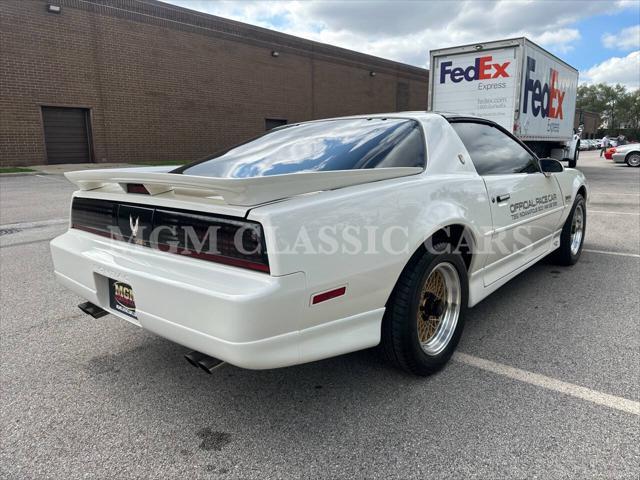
column 628, row 109
column 589, row 98
column 615, row 105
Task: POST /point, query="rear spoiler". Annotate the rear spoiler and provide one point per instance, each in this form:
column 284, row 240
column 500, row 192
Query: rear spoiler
column 235, row 191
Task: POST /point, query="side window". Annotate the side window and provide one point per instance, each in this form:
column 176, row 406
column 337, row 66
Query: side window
column 492, row 151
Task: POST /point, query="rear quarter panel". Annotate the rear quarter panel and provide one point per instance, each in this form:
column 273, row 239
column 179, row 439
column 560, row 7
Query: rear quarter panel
column 363, row 236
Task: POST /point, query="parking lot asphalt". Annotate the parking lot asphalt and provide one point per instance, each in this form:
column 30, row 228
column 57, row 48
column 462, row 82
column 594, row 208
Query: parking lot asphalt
column 546, row 363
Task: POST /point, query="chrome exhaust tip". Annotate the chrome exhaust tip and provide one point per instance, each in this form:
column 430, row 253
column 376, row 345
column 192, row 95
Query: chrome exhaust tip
column 205, row 362
column 93, row 310
column 209, row 364
column 194, row 357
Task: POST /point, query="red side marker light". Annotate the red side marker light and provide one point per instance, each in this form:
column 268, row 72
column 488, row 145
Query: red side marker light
column 324, row 296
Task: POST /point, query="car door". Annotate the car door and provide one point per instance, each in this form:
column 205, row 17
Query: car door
column 526, row 205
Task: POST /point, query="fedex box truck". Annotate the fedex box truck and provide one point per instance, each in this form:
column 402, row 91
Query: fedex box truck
column 515, row 83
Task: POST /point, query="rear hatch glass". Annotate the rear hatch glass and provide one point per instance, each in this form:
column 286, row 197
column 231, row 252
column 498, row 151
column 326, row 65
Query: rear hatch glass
column 328, row 145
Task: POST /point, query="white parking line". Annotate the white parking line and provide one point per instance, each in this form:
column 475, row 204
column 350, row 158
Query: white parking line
column 604, row 252
column 22, row 244
column 613, row 213
column 613, row 193
column 42, row 223
column 599, row 398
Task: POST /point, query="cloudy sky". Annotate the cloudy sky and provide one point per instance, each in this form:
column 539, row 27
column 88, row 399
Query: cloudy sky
column 600, row 38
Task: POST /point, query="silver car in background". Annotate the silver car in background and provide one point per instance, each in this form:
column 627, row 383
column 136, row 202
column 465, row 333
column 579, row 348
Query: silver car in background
column 629, row 154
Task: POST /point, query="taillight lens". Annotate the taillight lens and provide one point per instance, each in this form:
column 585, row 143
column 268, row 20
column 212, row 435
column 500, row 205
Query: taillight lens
column 95, row 216
column 209, row 237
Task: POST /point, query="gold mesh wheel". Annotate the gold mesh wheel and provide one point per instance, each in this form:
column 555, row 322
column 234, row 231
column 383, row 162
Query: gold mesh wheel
column 428, row 321
column 439, row 308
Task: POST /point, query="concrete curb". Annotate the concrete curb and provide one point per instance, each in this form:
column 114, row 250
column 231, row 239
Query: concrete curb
column 61, row 169
column 20, row 174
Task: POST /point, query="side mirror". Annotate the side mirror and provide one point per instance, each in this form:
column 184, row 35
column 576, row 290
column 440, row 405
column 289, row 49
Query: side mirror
column 550, row 165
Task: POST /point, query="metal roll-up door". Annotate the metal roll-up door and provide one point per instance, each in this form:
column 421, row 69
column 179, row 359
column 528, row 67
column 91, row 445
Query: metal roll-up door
column 67, row 134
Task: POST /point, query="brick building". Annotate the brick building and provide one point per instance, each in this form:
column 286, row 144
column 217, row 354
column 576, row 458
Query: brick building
column 590, row 122
column 141, row 80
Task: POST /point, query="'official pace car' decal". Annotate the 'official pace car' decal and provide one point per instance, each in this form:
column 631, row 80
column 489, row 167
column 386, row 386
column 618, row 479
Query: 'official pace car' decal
column 529, row 207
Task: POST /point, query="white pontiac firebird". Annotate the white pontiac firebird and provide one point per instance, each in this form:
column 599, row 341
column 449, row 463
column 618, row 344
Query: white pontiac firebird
column 321, row 238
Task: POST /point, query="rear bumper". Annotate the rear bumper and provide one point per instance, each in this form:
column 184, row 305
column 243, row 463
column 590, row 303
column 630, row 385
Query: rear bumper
column 246, row 318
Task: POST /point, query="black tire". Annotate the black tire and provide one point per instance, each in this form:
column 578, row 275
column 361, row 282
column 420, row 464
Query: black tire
column 564, row 255
column 574, row 162
column 633, row 159
column 400, row 341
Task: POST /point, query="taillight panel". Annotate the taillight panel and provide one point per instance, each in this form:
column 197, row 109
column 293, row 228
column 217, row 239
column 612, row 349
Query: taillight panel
column 229, row 241
column 90, row 214
column 199, row 235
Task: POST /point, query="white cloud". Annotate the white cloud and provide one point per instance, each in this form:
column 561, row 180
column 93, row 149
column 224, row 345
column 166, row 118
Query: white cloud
column 623, row 70
column 627, row 4
column 560, row 40
column 625, row 39
column 405, row 31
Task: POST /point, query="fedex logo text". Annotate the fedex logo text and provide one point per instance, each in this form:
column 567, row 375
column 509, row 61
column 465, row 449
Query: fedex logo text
column 482, row 69
column 542, row 96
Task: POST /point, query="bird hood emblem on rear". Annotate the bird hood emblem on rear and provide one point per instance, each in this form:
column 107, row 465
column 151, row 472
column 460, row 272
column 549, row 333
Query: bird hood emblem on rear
column 134, row 226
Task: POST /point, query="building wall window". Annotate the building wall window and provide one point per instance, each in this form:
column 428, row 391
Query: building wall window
column 270, row 123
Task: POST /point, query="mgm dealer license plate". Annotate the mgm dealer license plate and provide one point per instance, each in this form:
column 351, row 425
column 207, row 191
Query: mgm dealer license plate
column 121, row 298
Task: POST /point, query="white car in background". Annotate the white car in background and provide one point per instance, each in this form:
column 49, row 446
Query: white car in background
column 330, row 236
column 629, row 154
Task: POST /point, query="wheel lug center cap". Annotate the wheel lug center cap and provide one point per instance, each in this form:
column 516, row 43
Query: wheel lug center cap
column 433, row 306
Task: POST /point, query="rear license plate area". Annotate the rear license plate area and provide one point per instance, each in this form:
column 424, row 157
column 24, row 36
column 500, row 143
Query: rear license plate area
column 121, row 298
